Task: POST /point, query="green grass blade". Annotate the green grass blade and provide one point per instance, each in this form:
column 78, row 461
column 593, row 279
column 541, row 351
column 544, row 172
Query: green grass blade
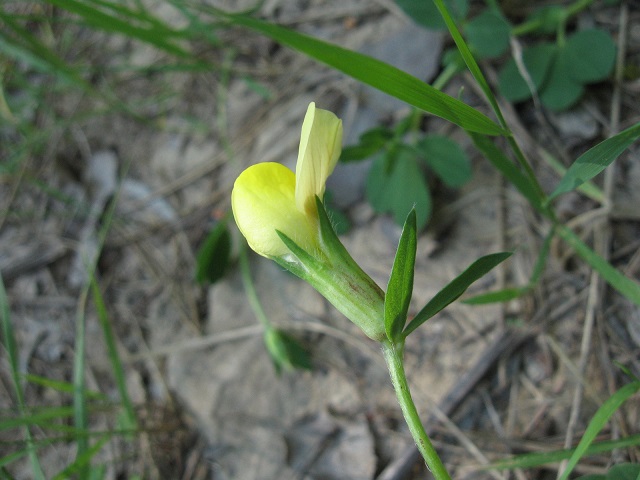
column 627, row 287
column 12, row 352
column 155, row 36
column 455, row 288
column 530, row 460
column 64, row 387
column 595, row 160
column 114, row 357
column 82, row 462
column 601, row 417
column 377, row 74
column 472, row 65
column 37, row 54
column 43, row 416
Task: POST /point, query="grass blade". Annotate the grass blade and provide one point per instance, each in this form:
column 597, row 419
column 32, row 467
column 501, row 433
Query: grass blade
column 530, row 460
column 114, row 357
column 601, row 417
column 377, row 74
column 624, row 285
column 472, row 65
column 155, row 36
column 12, row 352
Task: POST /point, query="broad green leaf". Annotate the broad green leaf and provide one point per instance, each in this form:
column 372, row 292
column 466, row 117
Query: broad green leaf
column 369, row 144
column 560, row 91
column 213, row 256
column 425, row 13
column 285, row 351
column 590, row 55
column 456, row 287
column 377, row 74
column 599, row 420
column 488, row 34
column 624, row 471
column 595, row 160
column 627, row 287
column 400, row 287
column 447, row 159
column 547, row 19
column 399, row 189
column 505, row 166
column 537, row 60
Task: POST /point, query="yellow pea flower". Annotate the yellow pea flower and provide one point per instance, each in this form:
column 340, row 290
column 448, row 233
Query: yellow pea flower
column 281, row 216
column 267, row 196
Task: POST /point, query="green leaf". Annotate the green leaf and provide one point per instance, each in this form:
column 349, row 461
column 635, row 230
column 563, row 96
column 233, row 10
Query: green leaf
column 624, row 471
column 447, row 159
column 401, row 188
column 560, row 91
column 488, row 34
column 213, row 256
column 548, row 18
column 370, row 143
column 377, row 74
column 497, row 296
column 624, row 285
column 600, row 418
column 595, row 160
column 537, row 60
column 400, row 287
column 285, row 351
column 590, row 55
column 425, row 13
column 456, row 287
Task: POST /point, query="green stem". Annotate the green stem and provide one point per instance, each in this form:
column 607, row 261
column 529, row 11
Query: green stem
column 393, row 357
column 250, row 288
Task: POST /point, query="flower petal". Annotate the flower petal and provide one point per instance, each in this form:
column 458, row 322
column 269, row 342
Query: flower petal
column 320, row 146
column 263, row 202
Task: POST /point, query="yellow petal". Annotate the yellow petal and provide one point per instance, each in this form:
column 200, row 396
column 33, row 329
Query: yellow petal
column 263, row 202
column 320, row 146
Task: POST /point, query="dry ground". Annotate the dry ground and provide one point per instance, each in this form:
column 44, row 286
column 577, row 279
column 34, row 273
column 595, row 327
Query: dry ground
column 491, row 380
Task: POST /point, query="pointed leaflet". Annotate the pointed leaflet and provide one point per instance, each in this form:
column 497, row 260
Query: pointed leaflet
column 456, row 288
column 592, row 162
column 400, row 287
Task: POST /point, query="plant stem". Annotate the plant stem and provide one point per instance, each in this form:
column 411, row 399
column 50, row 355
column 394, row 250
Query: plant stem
column 393, row 357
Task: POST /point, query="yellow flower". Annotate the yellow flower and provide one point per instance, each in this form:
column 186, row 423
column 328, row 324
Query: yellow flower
column 278, row 214
column 268, row 196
